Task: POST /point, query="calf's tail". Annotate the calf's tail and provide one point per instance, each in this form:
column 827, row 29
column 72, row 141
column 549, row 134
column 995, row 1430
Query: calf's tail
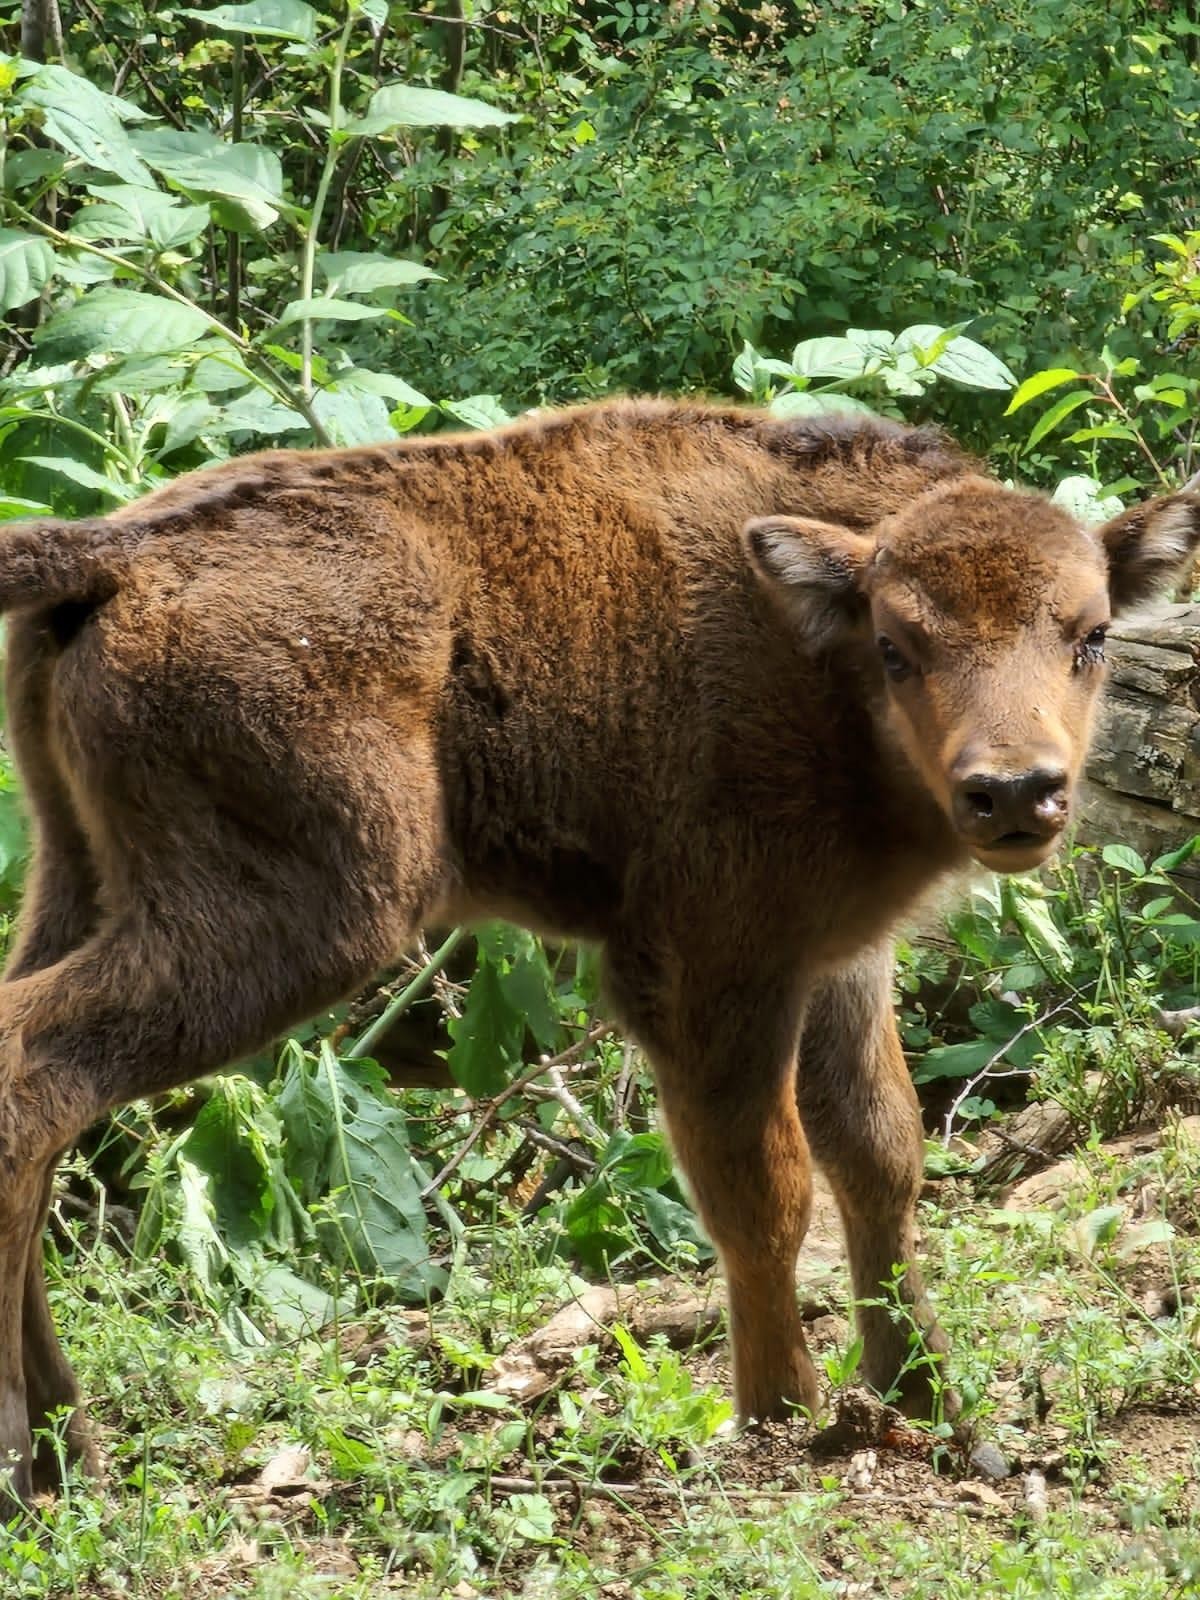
column 48, row 562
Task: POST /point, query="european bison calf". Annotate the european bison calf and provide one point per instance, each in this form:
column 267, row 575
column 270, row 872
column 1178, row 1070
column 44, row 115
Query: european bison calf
column 724, row 693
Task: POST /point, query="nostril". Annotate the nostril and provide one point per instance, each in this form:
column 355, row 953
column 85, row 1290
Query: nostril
column 979, row 801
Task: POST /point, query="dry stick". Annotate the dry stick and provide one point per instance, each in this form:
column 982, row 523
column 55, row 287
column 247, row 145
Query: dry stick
column 370, row 1037
column 989, row 1070
column 493, row 1107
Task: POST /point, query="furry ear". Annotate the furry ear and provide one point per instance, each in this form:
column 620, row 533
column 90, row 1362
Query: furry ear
column 1149, row 545
column 812, row 569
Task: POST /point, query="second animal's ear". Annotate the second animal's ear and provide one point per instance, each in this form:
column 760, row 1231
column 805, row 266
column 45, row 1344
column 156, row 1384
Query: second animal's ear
column 1149, row 545
column 813, row 570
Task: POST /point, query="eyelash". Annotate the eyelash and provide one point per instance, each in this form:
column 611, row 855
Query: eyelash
column 1089, row 651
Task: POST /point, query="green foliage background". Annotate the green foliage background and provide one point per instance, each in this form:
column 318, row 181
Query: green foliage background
column 224, row 227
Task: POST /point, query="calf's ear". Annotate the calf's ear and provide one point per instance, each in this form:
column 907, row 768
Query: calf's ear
column 1149, row 545
column 814, row 570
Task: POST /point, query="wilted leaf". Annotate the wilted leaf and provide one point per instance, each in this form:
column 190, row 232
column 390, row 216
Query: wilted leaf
column 348, row 1145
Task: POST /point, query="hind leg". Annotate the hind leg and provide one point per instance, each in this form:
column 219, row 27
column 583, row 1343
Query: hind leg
column 863, row 1123
column 228, row 933
column 58, row 914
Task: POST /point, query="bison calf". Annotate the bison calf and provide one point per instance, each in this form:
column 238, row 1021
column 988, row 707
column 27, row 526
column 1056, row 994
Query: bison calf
column 721, row 692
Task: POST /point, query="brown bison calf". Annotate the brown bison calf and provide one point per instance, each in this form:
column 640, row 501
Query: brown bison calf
column 724, row 693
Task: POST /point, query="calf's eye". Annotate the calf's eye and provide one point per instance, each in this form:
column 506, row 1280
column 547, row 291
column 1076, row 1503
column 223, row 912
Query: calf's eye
column 894, row 664
column 1089, row 651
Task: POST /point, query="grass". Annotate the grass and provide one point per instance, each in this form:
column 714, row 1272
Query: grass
column 627, row 1481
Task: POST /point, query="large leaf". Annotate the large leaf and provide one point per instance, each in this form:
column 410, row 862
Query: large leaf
column 126, row 212
column 86, row 121
column 385, row 384
column 962, row 360
column 26, row 264
column 487, row 1037
column 270, row 19
column 79, row 472
column 477, row 411
column 401, row 105
column 803, row 403
column 244, row 182
column 830, row 358
column 111, row 321
column 348, row 1146
column 322, row 308
column 351, row 415
column 363, row 272
column 230, row 1142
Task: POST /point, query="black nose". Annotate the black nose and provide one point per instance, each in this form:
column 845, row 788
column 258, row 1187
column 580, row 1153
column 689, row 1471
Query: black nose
column 1002, row 808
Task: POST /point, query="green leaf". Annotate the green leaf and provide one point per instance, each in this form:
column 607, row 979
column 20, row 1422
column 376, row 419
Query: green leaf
column 402, row 105
column 363, row 272
column 744, row 368
column 124, row 211
column 803, row 403
column 963, row 361
column 79, row 472
column 294, row 1302
column 1098, row 1227
column 271, row 19
column 353, row 416
column 1176, row 858
column 230, row 1142
column 348, row 1146
column 477, row 411
column 1123, row 859
column 113, row 321
column 244, row 182
column 1050, row 420
column 487, row 1037
column 86, row 121
column 26, row 265
column 1040, row 383
column 957, row 1060
column 384, row 383
column 324, row 309
column 829, row 358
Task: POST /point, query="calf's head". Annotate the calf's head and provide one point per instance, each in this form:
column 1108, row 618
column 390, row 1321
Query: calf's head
column 979, row 614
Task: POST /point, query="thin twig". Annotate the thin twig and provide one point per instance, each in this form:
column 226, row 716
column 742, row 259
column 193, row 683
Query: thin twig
column 396, row 1007
column 493, row 1107
column 988, row 1071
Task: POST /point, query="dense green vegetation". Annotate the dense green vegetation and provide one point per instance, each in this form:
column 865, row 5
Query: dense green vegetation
column 226, row 227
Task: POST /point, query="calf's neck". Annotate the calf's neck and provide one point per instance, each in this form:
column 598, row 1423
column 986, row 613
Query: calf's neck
column 723, row 693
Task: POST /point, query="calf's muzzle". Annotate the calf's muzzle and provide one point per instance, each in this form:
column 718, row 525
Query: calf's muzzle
column 998, row 811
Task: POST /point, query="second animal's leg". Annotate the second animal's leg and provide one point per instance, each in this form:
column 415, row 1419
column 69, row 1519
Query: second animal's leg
column 723, row 1050
column 863, row 1123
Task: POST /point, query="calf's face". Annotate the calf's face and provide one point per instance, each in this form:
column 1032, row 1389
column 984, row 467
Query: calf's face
column 980, row 616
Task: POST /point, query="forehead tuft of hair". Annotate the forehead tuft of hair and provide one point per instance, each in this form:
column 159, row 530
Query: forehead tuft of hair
column 976, row 551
